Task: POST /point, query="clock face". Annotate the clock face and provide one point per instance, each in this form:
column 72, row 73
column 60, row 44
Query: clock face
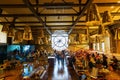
column 59, row 42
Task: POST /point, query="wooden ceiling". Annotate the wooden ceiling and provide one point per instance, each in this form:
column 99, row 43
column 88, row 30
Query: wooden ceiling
column 50, row 15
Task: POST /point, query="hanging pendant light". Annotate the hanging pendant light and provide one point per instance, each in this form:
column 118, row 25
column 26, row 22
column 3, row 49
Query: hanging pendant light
column 45, row 40
column 27, row 29
column 93, row 17
column 100, row 30
column 41, row 33
column 37, row 41
column 18, row 36
column 5, row 28
column 27, row 35
column 11, row 32
column 107, row 18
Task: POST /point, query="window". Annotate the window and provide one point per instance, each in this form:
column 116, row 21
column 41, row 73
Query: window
column 59, row 40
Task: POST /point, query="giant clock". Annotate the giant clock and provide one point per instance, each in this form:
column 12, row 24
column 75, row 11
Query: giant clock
column 59, row 41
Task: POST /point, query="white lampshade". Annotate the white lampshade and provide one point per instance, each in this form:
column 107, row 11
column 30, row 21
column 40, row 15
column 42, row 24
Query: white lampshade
column 27, row 35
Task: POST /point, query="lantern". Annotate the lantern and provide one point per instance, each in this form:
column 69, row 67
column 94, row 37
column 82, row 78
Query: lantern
column 46, row 40
column 107, row 18
column 101, row 30
column 27, row 29
column 18, row 36
column 27, row 35
column 11, row 32
column 5, row 28
column 41, row 33
column 93, row 17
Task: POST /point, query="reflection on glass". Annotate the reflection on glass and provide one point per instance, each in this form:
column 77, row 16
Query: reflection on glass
column 60, row 71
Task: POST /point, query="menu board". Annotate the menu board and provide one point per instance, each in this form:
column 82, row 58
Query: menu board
column 3, row 36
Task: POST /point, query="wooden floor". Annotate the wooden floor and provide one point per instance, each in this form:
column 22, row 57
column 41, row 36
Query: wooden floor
column 59, row 71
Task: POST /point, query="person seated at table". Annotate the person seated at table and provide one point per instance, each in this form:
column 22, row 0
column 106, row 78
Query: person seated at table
column 115, row 63
column 105, row 63
column 82, row 76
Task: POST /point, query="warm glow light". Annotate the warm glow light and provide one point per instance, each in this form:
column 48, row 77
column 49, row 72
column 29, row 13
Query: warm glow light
column 94, row 46
column 59, row 40
column 26, row 48
column 118, row 2
column 112, row 7
column 59, row 67
column 98, row 47
column 103, row 47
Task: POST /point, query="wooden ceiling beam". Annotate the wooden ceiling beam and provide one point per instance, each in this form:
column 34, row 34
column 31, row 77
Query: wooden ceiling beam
column 56, row 5
column 40, row 5
column 108, row 4
column 88, row 2
column 36, row 15
column 52, row 26
column 47, row 15
column 36, row 22
column 32, row 15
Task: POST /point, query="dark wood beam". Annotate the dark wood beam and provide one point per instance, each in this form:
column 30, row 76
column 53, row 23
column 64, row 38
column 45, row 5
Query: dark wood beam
column 37, row 7
column 43, row 15
column 13, row 22
column 35, row 30
column 40, row 5
column 88, row 2
column 80, row 7
column 56, row 5
column 36, row 22
column 36, row 15
column 102, row 4
column 32, row 15
column 52, row 26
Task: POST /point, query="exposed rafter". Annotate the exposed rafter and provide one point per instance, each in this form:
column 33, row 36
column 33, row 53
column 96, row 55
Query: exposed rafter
column 40, row 5
column 43, row 15
column 108, row 4
column 46, row 11
column 55, row 26
column 33, row 22
column 55, row 4
column 32, row 15
column 88, row 2
column 35, row 14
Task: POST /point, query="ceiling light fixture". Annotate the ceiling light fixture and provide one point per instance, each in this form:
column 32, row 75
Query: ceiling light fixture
column 112, row 7
column 118, row 2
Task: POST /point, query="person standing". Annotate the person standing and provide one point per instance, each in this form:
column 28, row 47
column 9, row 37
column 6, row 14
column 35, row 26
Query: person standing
column 105, row 63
